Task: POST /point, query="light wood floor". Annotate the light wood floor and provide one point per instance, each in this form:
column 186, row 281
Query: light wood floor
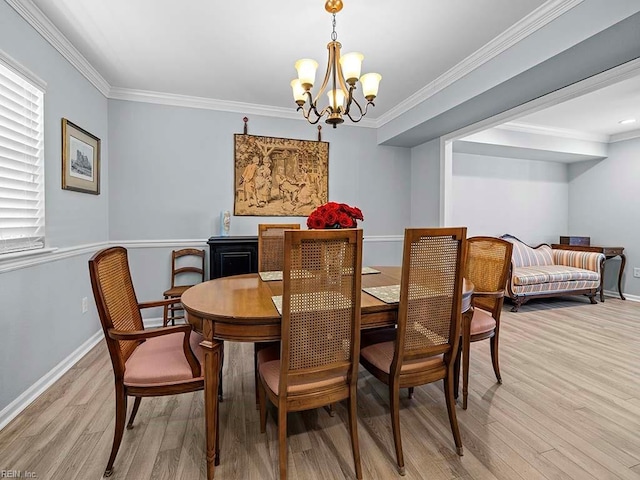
column 569, row 408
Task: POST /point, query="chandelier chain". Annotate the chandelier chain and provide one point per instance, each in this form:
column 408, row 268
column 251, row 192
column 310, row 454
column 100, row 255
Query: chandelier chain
column 334, row 35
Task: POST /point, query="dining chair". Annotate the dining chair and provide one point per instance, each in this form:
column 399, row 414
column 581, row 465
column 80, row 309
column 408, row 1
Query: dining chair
column 487, row 266
column 317, row 363
column 270, row 259
column 183, row 276
column 271, row 245
column 146, row 363
column 424, row 346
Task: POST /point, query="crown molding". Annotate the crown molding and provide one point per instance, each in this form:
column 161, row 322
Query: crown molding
column 176, row 100
column 34, row 17
column 554, row 132
column 523, row 28
column 620, row 137
column 537, row 19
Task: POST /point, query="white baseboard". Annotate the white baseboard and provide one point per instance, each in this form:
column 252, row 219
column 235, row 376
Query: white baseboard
column 12, row 410
column 615, row 294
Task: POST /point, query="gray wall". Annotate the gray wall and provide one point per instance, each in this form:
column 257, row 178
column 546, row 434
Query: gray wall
column 171, row 174
column 495, row 195
column 425, row 184
column 604, row 205
column 41, row 321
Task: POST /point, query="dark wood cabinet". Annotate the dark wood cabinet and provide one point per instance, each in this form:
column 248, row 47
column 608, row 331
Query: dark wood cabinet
column 232, row 256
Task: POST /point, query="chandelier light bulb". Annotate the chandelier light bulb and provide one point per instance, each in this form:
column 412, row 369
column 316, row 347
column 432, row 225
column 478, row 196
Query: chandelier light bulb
column 338, row 105
column 307, row 72
column 351, row 64
column 298, row 91
column 370, row 83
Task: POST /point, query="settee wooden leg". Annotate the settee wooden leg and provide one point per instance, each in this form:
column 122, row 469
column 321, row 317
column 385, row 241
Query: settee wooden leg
column 516, row 303
column 592, row 298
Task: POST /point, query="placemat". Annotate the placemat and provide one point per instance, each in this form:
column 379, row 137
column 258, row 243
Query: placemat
column 277, row 275
column 387, row 293
column 322, row 300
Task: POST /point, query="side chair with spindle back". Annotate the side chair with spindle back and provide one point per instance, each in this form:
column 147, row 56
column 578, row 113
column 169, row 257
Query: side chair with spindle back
column 179, row 283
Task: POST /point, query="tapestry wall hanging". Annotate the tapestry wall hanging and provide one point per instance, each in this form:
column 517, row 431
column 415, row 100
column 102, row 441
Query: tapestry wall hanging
column 279, row 176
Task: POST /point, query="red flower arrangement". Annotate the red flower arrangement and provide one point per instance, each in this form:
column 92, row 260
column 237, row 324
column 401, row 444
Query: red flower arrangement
column 334, row 215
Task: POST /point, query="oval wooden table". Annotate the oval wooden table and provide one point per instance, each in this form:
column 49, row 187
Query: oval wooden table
column 240, row 309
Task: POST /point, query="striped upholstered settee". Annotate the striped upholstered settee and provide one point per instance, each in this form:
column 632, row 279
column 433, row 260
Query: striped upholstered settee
column 546, row 272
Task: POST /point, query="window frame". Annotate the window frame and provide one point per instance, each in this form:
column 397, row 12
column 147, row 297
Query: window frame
column 36, row 88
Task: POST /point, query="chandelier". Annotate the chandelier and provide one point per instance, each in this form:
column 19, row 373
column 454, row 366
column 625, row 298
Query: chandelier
column 341, row 76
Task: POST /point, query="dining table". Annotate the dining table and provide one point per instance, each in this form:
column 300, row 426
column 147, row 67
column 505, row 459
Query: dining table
column 241, row 308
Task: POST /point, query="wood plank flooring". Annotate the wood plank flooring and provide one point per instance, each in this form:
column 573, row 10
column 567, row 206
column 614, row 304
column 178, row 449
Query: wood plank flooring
column 569, row 408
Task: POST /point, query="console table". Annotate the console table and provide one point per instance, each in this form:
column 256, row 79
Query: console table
column 232, row 256
column 609, row 252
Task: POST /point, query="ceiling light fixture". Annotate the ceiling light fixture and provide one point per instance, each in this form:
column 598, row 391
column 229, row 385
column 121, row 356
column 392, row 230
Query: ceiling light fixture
column 343, row 73
column 627, row 121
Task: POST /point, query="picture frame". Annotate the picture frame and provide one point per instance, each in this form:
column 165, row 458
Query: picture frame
column 279, row 177
column 80, row 159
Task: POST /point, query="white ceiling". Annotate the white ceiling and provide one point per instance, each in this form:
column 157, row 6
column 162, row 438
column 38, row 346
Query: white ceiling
column 244, row 50
column 596, row 113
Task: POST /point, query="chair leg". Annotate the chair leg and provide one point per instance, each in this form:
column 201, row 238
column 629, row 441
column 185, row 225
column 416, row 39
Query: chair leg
column 262, row 403
column 394, row 403
column 466, row 351
column 456, row 372
column 121, row 418
column 353, row 430
column 410, row 393
column 136, row 404
column 494, row 356
column 165, row 314
column 282, row 439
column 255, row 371
column 451, row 410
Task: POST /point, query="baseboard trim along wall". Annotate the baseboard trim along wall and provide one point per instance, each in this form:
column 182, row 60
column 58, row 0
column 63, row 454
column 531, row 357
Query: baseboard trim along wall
column 615, row 294
column 12, row 410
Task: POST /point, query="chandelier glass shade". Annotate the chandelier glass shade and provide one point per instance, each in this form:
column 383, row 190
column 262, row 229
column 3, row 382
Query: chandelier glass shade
column 340, row 82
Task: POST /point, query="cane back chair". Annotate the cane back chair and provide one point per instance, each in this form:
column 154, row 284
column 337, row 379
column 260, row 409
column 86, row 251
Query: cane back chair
column 320, row 332
column 487, row 266
column 425, row 344
column 146, row 363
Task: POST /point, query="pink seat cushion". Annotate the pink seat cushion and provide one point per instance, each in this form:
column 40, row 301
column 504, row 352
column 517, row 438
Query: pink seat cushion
column 380, row 356
column 482, row 322
column 161, row 361
column 268, row 354
column 270, row 371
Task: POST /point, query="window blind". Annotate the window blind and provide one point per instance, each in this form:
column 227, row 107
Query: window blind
column 21, row 163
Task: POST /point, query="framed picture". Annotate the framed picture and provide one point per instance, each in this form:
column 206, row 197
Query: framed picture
column 80, row 159
column 279, row 176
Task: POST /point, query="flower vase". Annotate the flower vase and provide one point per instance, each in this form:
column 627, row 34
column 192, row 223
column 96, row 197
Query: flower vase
column 225, row 223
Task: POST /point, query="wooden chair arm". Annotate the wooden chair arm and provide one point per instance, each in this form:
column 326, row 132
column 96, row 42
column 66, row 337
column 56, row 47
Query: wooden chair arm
column 144, row 334
column 157, row 332
column 159, row 303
